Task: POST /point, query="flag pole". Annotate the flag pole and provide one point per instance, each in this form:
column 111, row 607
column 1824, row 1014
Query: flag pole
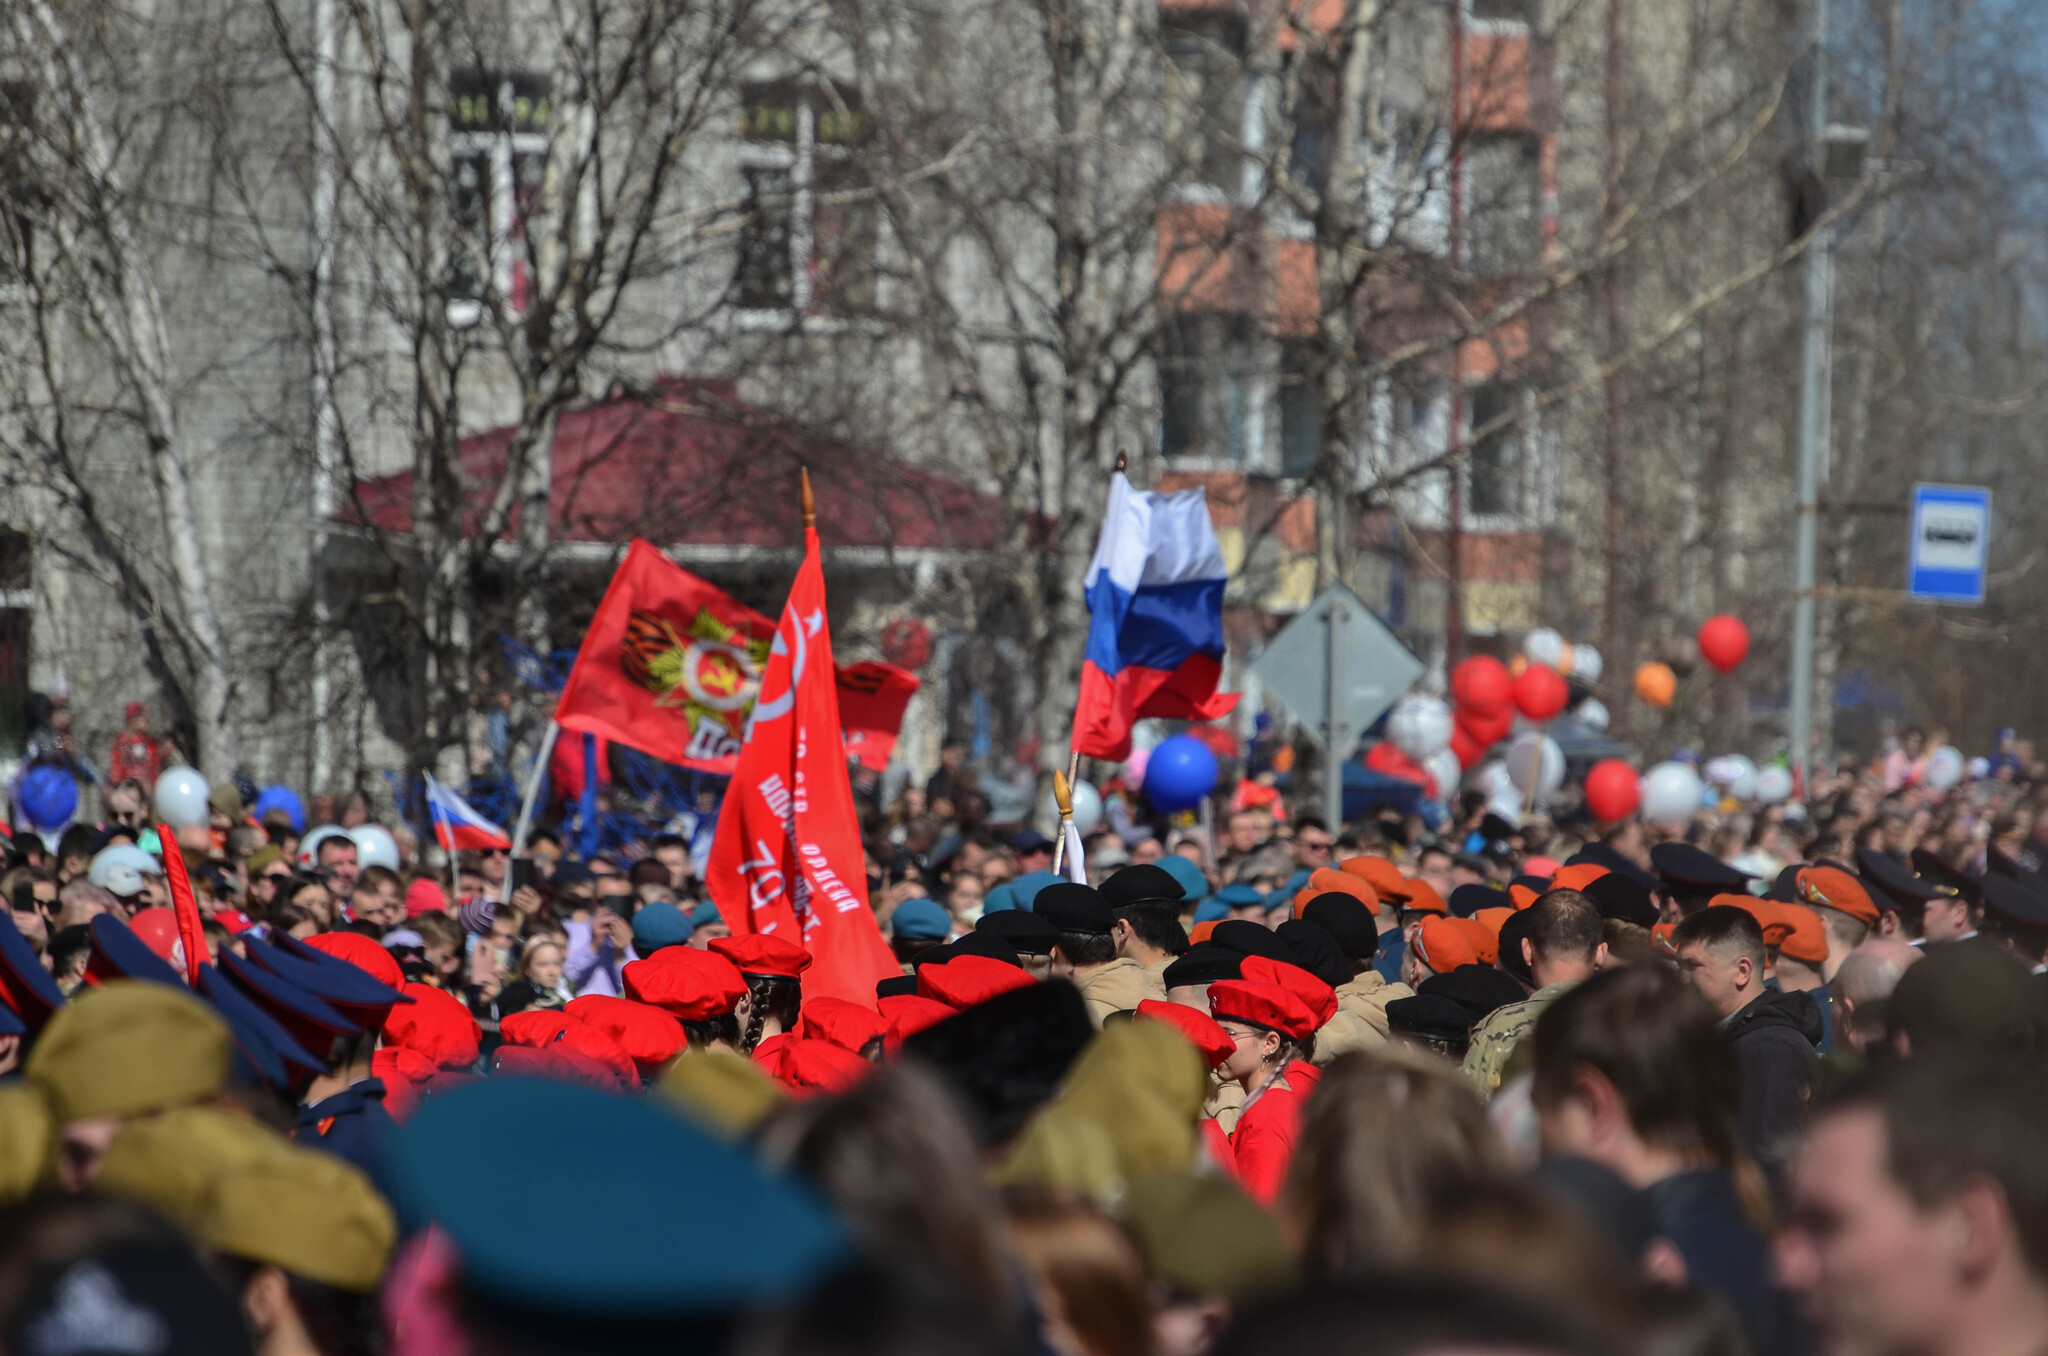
column 1062, row 796
column 434, row 825
column 533, row 780
column 804, row 499
column 1074, row 754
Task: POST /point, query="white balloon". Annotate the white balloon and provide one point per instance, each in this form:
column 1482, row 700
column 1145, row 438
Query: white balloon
column 1944, row 767
column 1535, row 763
column 309, row 846
column 1493, row 779
column 180, row 797
column 1508, row 805
column 1544, row 646
column 1087, row 808
column 1586, row 663
column 1671, row 792
column 1979, row 769
column 1735, row 774
column 1420, row 726
column 1446, row 772
column 1592, row 713
column 1773, row 784
column 375, row 846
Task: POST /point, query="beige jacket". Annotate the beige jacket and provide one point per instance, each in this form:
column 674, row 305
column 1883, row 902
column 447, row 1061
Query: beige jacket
column 1361, row 1020
column 1117, row 987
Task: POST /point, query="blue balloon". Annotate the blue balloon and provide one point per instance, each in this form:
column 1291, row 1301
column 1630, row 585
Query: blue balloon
column 1180, row 772
column 281, row 798
column 49, row 797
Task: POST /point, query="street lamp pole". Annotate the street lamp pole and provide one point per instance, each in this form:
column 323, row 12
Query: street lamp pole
column 1814, row 414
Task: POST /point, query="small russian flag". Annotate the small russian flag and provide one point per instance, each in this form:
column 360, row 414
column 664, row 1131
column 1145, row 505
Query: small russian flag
column 457, row 825
column 1155, row 632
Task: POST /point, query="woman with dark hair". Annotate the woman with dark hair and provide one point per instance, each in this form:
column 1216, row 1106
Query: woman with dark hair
column 1271, row 1028
column 771, row 968
column 1381, row 1137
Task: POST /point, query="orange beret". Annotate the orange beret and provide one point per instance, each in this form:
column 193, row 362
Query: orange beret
column 1272, row 1006
column 1805, row 939
column 1443, row 946
column 1211, row 1041
column 1832, row 888
column 1765, row 911
column 1319, row 998
column 763, row 954
column 1522, row 896
column 1576, row 875
column 1200, row 932
column 1485, row 941
column 1386, row 878
column 1324, row 880
column 1422, row 896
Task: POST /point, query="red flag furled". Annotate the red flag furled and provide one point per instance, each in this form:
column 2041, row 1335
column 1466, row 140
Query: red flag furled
column 787, row 859
column 871, row 701
column 184, row 902
column 672, row 664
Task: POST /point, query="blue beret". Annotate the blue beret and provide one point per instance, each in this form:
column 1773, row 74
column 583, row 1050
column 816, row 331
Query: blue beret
column 999, row 899
column 704, row 915
column 1240, row 896
column 658, row 925
column 920, row 920
column 725, row 1235
column 1212, row 910
column 1194, row 885
column 1024, row 890
column 1296, row 881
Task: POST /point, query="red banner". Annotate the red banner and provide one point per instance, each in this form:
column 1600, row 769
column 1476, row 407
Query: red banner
column 183, row 902
column 787, row 859
column 671, row 666
column 871, row 701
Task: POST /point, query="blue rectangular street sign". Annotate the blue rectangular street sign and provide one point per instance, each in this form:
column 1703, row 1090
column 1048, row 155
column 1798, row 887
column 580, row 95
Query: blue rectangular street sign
column 1951, row 539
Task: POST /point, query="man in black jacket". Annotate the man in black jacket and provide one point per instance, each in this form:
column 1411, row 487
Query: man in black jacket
column 1772, row 1034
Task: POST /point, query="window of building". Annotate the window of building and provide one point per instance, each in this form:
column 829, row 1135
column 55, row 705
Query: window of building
column 1315, row 99
column 1211, row 401
column 1301, row 411
column 1494, row 463
column 1206, row 92
column 1500, row 11
column 498, row 128
column 808, row 243
column 17, row 605
column 1503, row 197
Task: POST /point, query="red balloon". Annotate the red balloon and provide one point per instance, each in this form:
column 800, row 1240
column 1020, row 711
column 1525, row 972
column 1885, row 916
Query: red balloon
column 1385, row 758
column 1481, row 684
column 1724, row 641
column 1541, row 692
column 1489, row 728
column 1469, row 748
column 1613, row 791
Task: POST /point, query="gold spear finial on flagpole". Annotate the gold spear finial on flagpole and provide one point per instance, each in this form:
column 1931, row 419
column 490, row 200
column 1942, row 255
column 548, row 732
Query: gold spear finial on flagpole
column 1119, row 463
column 810, row 505
column 1062, row 794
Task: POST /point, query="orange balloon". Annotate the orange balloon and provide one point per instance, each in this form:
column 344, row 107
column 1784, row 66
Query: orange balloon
column 1517, row 665
column 1656, row 684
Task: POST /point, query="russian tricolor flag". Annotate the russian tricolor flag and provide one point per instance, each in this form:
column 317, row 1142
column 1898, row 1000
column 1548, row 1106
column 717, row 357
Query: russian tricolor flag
column 1155, row 631
column 457, row 824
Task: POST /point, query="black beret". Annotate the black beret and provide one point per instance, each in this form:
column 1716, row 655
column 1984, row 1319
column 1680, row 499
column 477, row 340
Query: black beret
column 991, row 944
column 1619, row 896
column 1492, row 826
column 1785, row 889
column 1021, row 928
column 1346, row 919
column 1478, row 989
column 1203, row 965
column 1247, row 938
column 1513, row 929
column 1007, row 1057
column 1600, row 854
column 1319, row 952
column 1469, row 899
column 1429, row 1015
column 896, row 986
column 1693, row 869
column 1073, row 908
column 1141, row 884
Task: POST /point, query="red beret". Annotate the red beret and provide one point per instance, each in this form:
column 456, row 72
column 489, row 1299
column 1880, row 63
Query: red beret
column 907, row 1014
column 762, row 954
column 647, row 1034
column 437, row 1025
column 401, row 1072
column 810, row 1066
column 557, row 1062
column 1272, row 1006
column 1210, row 1040
column 158, row 929
column 359, row 951
column 686, row 983
column 550, row 1030
column 1443, row 946
column 1319, row 998
column 843, row 1022
column 966, row 980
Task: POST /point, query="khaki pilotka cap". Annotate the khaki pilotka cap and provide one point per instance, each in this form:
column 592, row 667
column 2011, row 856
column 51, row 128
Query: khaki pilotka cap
column 126, row 1048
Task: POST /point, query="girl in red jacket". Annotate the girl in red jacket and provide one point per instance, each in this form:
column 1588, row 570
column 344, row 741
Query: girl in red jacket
column 1270, row 1028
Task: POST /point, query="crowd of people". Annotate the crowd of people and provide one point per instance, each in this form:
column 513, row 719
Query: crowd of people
column 1765, row 1082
